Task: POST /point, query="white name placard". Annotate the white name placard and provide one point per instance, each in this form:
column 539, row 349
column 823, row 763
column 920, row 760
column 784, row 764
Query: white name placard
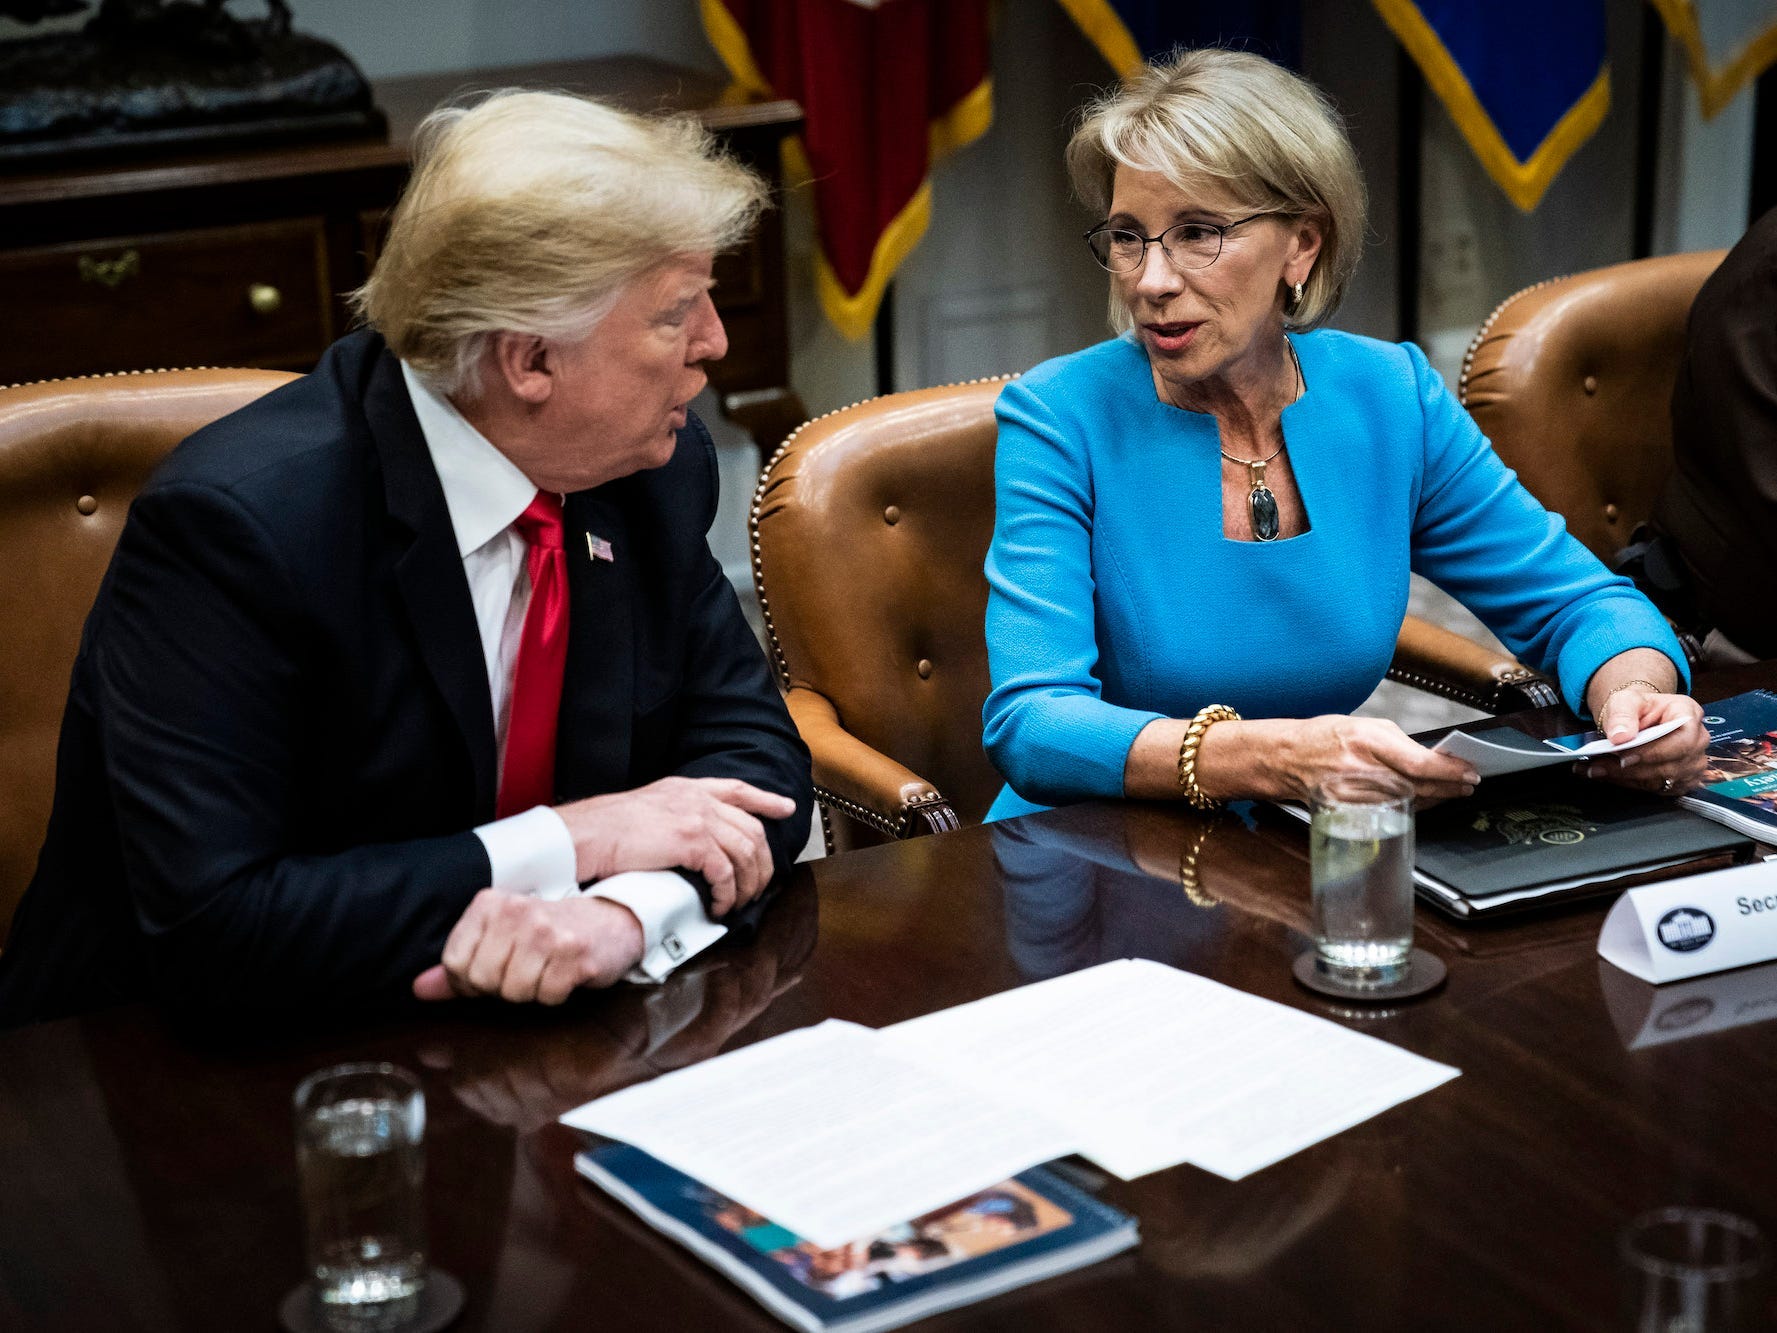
column 1687, row 927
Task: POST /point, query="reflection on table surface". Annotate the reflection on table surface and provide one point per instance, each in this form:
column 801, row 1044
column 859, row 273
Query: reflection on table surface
column 150, row 1173
column 1647, row 1015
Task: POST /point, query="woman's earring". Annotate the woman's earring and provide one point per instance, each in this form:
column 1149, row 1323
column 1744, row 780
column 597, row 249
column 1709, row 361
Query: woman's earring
column 1298, row 295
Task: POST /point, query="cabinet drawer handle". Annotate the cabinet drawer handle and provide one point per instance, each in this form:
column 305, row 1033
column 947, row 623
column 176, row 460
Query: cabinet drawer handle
column 110, row 272
column 264, row 298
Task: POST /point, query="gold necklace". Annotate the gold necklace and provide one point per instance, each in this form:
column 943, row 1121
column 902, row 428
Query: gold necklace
column 1260, row 502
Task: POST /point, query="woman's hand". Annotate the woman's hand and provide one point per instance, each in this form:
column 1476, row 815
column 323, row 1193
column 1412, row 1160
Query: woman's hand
column 1325, row 747
column 1672, row 765
column 1286, row 758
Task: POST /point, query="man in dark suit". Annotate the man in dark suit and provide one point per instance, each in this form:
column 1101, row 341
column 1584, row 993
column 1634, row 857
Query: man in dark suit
column 1717, row 506
column 391, row 663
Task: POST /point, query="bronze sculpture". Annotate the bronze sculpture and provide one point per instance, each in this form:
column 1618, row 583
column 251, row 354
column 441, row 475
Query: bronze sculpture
column 154, row 75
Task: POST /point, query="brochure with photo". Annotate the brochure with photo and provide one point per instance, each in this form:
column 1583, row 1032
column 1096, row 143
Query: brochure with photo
column 1740, row 787
column 1020, row 1231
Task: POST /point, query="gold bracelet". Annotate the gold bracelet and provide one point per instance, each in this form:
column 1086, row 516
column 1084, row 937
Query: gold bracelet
column 1187, row 754
column 1652, row 689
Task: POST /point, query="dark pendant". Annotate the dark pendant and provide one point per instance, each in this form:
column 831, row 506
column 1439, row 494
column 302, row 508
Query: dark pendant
column 1264, row 507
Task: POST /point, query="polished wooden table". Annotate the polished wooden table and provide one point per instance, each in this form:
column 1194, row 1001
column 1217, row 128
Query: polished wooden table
column 149, row 1177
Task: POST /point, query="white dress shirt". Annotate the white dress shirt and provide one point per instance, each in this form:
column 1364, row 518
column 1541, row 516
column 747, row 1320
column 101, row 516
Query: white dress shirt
column 532, row 852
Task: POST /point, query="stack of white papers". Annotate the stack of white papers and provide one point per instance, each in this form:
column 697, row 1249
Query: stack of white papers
column 837, row 1131
column 1148, row 1066
column 825, row 1132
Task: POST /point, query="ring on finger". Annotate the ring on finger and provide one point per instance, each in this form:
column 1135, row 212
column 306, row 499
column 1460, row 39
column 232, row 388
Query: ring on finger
column 1665, row 786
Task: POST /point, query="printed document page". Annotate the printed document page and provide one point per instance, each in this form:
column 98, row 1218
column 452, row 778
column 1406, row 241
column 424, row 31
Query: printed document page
column 1147, row 1066
column 827, row 1132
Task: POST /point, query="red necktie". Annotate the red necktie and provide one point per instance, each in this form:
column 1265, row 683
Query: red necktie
column 528, row 777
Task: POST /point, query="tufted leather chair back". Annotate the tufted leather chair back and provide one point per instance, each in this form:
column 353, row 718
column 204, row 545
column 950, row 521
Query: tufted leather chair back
column 1572, row 382
column 870, row 528
column 73, row 453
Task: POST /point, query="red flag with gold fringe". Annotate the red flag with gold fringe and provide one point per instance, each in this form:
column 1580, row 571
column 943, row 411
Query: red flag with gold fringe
column 887, row 87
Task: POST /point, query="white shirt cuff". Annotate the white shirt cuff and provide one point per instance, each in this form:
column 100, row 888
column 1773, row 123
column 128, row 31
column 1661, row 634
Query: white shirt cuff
column 674, row 925
column 532, row 854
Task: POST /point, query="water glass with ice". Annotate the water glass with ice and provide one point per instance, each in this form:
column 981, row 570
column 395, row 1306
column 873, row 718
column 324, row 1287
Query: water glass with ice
column 1362, row 862
column 360, row 1156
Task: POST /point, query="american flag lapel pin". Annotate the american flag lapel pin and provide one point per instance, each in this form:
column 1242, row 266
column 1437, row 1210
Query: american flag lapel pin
column 599, row 549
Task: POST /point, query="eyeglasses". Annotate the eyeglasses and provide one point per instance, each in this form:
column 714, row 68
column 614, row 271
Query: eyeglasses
column 1185, row 244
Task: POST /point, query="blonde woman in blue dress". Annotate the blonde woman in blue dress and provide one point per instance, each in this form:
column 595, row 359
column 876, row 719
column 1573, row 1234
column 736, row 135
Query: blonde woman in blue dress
column 1205, row 525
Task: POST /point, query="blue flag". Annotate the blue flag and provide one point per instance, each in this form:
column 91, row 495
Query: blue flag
column 1129, row 32
column 1526, row 81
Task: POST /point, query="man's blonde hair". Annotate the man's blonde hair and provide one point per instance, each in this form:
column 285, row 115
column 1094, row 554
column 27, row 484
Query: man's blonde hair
column 530, row 212
column 1250, row 128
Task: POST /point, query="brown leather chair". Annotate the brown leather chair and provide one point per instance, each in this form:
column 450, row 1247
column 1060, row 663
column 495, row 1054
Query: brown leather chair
column 869, row 531
column 1572, row 382
column 73, row 453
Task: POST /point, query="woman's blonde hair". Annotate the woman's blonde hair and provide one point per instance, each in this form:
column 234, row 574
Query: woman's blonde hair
column 1251, row 128
column 530, row 212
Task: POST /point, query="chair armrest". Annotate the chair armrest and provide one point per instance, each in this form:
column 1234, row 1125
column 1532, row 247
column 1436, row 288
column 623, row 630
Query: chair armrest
column 1442, row 662
column 861, row 781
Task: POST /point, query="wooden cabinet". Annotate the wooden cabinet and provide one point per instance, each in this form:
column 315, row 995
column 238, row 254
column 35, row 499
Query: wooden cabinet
column 244, row 258
column 254, row 295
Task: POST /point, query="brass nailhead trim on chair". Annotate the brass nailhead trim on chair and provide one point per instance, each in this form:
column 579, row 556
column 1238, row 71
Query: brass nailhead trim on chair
column 87, row 505
column 1481, row 335
column 115, row 374
column 777, row 652
column 1444, row 690
column 1535, row 689
column 895, row 829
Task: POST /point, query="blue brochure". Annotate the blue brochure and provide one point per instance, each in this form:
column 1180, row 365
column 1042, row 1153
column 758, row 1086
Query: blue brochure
column 1014, row 1233
column 1740, row 787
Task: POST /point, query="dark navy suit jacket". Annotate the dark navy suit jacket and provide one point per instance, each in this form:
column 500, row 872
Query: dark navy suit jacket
column 279, row 736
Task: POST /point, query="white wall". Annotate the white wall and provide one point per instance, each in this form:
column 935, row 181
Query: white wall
column 391, row 37
column 1002, row 280
column 1350, row 53
column 1705, row 167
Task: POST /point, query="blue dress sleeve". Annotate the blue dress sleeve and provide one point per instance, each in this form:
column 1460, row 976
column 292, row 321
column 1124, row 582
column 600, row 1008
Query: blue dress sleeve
column 1484, row 539
column 1045, row 725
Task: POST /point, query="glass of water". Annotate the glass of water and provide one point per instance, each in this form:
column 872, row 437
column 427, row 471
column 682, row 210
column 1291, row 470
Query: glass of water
column 1362, row 860
column 360, row 1158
